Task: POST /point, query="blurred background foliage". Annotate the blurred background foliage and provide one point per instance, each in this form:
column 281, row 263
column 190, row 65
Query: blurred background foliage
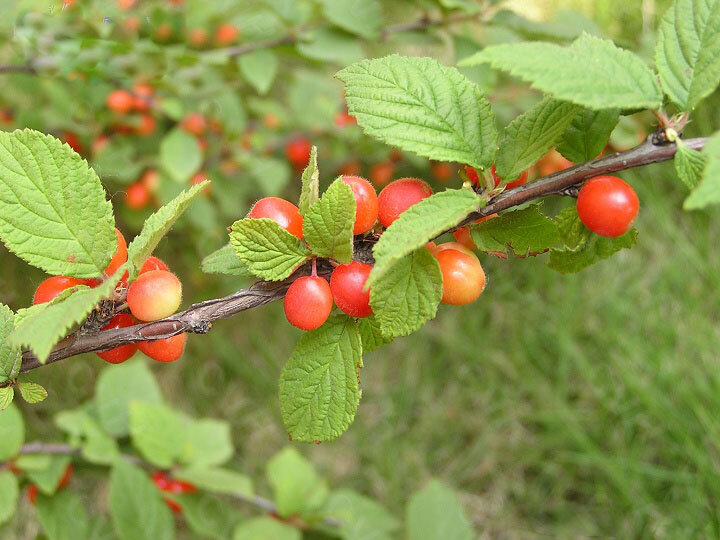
column 558, row 406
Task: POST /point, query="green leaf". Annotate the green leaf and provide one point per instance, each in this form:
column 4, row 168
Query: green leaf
column 361, row 17
column 435, row 514
column 137, row 509
column 297, row 488
column 420, row 106
column 371, row 335
column 310, row 183
column 689, row 164
column 328, row 223
column 117, row 387
column 687, row 54
column 209, row 516
column 330, row 45
column 180, row 155
column 12, row 432
column 41, row 329
column 592, row 72
column 229, row 110
column 53, row 211
column 408, row 294
column 96, row 445
column 225, row 261
column 271, row 175
column 63, row 516
column 525, row 231
column 157, row 226
column 207, row 442
column 216, row 480
column 263, row 528
column 527, row 138
column 7, row 394
column 8, row 495
column 10, row 357
column 588, row 134
column 32, row 392
column 707, row 191
column 319, row 386
column 419, row 224
column 118, row 161
column 259, row 69
column 361, row 517
column 268, row 250
column 48, row 479
column 583, row 248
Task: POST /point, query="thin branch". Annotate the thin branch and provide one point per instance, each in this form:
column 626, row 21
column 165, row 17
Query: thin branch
column 18, row 69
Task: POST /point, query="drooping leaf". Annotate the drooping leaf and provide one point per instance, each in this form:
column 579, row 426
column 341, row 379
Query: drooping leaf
column 297, row 488
column 310, row 183
column 592, row 72
column 420, row 106
column 12, row 432
column 63, row 516
column 10, row 357
column 225, row 261
column 259, row 69
column 434, row 513
column 361, row 17
column 268, row 250
column 216, row 480
column 687, row 54
column 319, row 386
column 588, row 134
column 8, row 495
column 707, row 191
column 180, row 155
column 32, row 392
column 362, row 518
column 525, row 231
column 328, row 223
column 371, row 334
column 262, row 528
column 53, row 211
column 689, row 164
column 210, row 517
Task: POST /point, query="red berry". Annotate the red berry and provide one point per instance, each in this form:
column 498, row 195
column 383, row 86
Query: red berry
column 119, row 354
column 399, row 196
column 443, row 172
column 150, row 179
column 382, row 173
column 607, row 206
column 472, row 175
column 344, row 119
column 198, row 37
column 137, row 196
column 52, row 287
column 553, row 162
column 462, row 235
column 226, row 34
column 66, row 477
column 153, row 263
column 350, row 168
column 32, row 493
column 195, row 124
column 168, row 485
column 308, row 302
column 120, row 101
column 72, row 140
column 519, row 182
column 346, row 284
column 99, row 143
column 164, row 350
column 298, row 152
column 199, row 178
column 146, row 126
column 154, row 295
column 143, row 95
column 120, row 256
column 282, row 212
column 462, row 274
column 457, row 246
column 366, row 203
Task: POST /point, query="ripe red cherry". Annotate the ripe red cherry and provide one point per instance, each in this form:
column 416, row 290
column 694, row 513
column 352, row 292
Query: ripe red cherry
column 457, row 246
column 519, row 182
column 119, row 354
column 137, row 196
column 146, row 126
column 400, row 195
column 607, row 206
column 366, row 203
column 66, row 477
column 52, row 287
column 72, row 140
column 463, row 276
column 198, row 37
column 168, row 485
column 154, row 295
column 308, row 302
column 226, row 34
column 463, row 235
column 199, row 178
column 443, row 172
column 153, row 263
column 382, row 173
column 150, row 179
column 344, row 119
column 120, row 256
column 32, row 493
column 195, row 124
column 143, row 95
column 282, row 212
column 298, row 152
column 120, row 101
column 553, row 162
column 164, row 350
column 346, row 284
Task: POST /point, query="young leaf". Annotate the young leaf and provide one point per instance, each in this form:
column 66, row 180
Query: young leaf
column 12, row 432
column 180, row 155
column 527, row 138
column 434, row 513
column 408, row 294
column 371, row 335
column 707, row 191
column 225, row 261
column 207, row 442
column 319, row 385
column 53, row 211
column 48, row 479
column 592, row 72
column 216, row 480
column 10, row 357
column 525, row 231
column 157, row 226
column 157, row 432
column 419, row 224
column 261, row 528
column 137, row 509
column 360, row 17
column 328, row 223
column 687, row 54
column 421, row 106
column 268, row 250
column 42, row 329
column 63, row 516
column 361, row 517
column 689, row 164
column 7, row 393
column 297, row 488
column 259, row 69
column 588, row 134
column 8, row 495
column 32, row 392
column 95, row 444
column 210, row 517
column 310, row 183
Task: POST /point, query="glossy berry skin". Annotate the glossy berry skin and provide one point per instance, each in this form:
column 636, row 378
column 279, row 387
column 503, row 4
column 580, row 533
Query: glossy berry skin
column 120, row 101
column 195, row 124
column 346, row 285
column 308, row 302
column 463, row 276
column 119, row 258
column 154, row 295
column 282, row 212
column 226, row 34
column 298, row 152
column 400, row 195
column 137, row 196
column 52, row 287
column 607, row 206
column 164, row 350
column 366, row 203
column 119, row 354
column 519, row 182
column 153, row 263
column 457, row 246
